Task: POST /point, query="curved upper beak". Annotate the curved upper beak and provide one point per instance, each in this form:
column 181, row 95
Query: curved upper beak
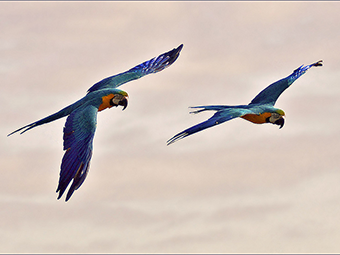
column 280, row 122
column 124, row 103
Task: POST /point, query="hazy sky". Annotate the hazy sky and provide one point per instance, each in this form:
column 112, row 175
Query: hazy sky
column 236, row 187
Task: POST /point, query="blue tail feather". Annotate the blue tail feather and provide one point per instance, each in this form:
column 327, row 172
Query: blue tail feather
column 213, row 121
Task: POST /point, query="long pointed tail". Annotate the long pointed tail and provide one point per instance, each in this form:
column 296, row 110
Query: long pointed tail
column 199, row 127
column 48, row 119
column 27, row 127
column 211, row 108
column 217, row 118
column 62, row 113
column 223, row 114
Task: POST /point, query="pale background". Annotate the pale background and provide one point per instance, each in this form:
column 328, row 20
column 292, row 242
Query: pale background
column 237, row 187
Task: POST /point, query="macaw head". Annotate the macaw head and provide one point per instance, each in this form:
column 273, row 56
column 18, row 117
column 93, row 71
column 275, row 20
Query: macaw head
column 120, row 98
column 277, row 118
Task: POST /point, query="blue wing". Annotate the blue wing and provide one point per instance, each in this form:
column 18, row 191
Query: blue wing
column 79, row 131
column 223, row 114
column 270, row 94
column 152, row 66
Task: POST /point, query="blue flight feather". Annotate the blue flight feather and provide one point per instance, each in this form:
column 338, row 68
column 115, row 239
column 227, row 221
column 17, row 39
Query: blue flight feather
column 271, row 93
column 153, row 65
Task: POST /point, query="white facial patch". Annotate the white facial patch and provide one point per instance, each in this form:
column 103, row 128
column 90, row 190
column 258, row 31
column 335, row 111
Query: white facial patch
column 117, row 98
column 275, row 116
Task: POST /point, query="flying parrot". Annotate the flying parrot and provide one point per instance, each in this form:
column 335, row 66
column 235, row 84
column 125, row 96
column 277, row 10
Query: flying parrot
column 260, row 110
column 81, row 122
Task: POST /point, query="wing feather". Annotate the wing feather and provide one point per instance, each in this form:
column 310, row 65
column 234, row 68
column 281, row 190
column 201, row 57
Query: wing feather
column 271, row 93
column 153, row 65
column 78, row 137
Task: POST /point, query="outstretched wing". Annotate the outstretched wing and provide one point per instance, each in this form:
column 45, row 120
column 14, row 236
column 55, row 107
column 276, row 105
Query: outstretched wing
column 270, row 94
column 154, row 65
column 223, row 114
column 79, row 131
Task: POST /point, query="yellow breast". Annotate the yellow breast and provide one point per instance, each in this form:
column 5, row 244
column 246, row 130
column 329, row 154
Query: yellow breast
column 257, row 118
column 106, row 102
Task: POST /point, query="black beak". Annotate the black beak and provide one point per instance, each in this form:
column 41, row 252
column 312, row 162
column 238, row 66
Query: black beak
column 280, row 122
column 123, row 103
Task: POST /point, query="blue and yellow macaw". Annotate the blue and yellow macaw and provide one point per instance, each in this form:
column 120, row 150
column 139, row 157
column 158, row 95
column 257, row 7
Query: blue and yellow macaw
column 81, row 122
column 260, row 110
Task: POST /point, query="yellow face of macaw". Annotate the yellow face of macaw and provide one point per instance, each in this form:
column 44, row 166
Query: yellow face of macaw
column 114, row 100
